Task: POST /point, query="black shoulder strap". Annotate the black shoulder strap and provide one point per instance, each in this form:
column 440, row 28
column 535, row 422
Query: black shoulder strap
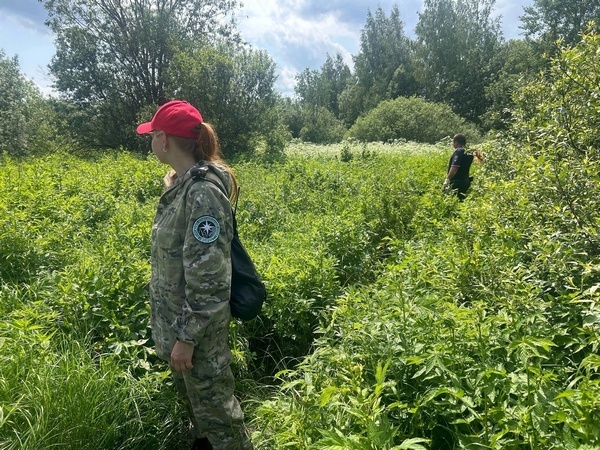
column 200, row 172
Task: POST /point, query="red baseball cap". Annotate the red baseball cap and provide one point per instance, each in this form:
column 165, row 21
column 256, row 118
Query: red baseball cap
column 177, row 118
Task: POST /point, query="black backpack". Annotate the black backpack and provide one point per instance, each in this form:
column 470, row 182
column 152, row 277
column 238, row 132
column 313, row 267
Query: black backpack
column 248, row 293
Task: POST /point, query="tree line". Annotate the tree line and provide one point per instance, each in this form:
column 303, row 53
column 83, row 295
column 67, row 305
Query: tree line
column 117, row 60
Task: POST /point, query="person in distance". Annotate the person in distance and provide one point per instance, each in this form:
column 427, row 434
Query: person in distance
column 457, row 177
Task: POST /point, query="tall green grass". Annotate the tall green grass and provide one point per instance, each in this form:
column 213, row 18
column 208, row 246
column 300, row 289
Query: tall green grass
column 480, row 330
column 397, row 317
column 54, row 394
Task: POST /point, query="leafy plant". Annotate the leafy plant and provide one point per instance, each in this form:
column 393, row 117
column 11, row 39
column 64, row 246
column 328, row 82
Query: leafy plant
column 413, row 119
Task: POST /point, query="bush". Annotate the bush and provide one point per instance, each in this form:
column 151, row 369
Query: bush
column 480, row 331
column 413, row 119
column 320, row 126
column 317, row 225
column 555, row 138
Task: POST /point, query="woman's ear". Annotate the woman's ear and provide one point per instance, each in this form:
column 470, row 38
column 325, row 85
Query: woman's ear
column 164, row 140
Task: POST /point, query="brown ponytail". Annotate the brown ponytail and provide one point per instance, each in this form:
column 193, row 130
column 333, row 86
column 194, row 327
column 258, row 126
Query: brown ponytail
column 207, row 148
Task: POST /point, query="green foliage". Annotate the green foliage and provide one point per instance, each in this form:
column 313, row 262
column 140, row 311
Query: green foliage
column 52, row 392
column 413, row 119
column 397, row 317
column 112, row 58
column 338, row 243
column 478, row 321
column 456, row 54
column 12, row 120
column 75, row 239
column 384, row 64
column 233, row 88
column 116, row 61
column 320, row 126
column 556, row 136
column 486, row 319
column 291, row 115
column 25, row 116
column 323, row 88
column 74, row 235
column 549, row 22
column 520, row 63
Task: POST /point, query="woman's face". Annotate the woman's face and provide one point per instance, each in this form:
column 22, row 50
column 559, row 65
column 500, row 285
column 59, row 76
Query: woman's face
column 158, row 144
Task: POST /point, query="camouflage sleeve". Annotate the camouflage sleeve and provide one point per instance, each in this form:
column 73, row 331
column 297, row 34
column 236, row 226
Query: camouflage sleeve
column 206, row 261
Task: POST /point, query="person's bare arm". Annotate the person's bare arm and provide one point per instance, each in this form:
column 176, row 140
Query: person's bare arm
column 450, row 175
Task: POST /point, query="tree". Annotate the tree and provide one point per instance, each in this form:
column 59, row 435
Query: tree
column 351, row 102
column 324, row 87
column 113, row 55
column 548, row 21
column 309, row 89
column 335, row 74
column 232, row 86
column 24, row 114
column 457, row 44
column 519, row 64
column 315, row 116
column 320, row 126
column 291, row 114
column 14, row 90
column 383, row 66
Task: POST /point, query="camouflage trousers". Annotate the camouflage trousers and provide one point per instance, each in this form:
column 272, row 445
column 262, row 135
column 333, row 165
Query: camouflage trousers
column 214, row 411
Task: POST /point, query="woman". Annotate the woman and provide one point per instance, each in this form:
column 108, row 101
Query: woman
column 191, row 274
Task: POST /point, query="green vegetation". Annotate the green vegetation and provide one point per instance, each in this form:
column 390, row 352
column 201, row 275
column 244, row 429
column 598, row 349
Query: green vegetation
column 397, row 317
column 116, row 61
column 25, row 116
column 411, row 119
column 74, row 236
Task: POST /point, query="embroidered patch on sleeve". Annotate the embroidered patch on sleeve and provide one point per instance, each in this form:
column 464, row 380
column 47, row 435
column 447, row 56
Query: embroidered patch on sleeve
column 206, row 229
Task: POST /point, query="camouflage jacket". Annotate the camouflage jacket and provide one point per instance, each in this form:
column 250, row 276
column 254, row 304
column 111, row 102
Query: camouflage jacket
column 191, row 269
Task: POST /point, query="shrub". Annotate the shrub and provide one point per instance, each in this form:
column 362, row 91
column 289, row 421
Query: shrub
column 320, row 126
column 556, row 139
column 413, row 119
column 397, row 315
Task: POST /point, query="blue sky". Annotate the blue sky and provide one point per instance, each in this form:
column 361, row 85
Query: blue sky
column 296, row 33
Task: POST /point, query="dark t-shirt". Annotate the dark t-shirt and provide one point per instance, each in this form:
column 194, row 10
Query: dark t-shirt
column 463, row 161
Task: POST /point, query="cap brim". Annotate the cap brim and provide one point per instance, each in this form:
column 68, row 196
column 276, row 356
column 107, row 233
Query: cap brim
column 144, row 128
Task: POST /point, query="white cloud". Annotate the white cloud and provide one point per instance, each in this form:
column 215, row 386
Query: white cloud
column 278, row 24
column 299, row 34
column 296, row 36
column 30, row 15
column 287, row 80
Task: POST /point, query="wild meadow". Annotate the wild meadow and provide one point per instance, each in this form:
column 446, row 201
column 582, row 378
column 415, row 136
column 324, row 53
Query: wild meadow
column 397, row 317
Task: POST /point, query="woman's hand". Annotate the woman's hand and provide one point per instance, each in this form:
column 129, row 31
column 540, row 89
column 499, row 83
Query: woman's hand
column 181, row 357
column 169, row 179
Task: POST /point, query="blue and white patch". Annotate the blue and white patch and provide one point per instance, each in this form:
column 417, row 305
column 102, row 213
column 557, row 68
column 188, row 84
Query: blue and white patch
column 206, row 229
